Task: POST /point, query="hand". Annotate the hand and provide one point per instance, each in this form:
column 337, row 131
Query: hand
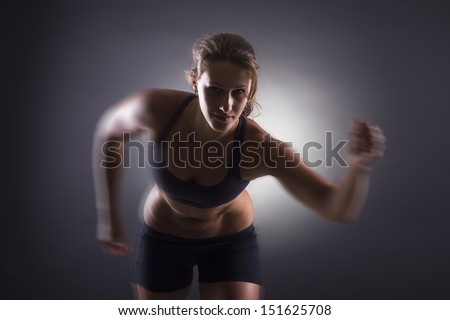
column 115, row 248
column 367, row 143
column 112, row 238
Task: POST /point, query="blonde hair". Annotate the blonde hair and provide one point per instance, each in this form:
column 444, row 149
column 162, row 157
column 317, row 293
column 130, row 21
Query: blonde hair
column 225, row 47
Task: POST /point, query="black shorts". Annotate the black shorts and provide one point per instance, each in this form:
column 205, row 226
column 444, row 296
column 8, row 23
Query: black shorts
column 164, row 263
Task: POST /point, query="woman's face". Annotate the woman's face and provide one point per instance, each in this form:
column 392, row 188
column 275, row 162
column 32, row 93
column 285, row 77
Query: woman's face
column 223, row 90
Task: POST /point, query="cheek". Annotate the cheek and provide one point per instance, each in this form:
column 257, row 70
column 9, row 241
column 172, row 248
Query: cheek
column 208, row 102
column 206, row 105
column 241, row 103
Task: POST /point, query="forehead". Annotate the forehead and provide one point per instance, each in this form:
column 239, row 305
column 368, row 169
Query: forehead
column 226, row 73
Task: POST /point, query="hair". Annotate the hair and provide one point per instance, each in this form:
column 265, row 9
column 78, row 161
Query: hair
column 225, row 47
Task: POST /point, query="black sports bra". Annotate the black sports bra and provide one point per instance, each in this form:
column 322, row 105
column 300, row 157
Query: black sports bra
column 196, row 195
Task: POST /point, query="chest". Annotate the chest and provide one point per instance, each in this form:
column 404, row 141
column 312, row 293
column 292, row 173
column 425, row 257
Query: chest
column 204, row 163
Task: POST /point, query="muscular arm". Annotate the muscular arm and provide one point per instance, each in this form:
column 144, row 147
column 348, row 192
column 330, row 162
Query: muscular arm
column 131, row 115
column 341, row 201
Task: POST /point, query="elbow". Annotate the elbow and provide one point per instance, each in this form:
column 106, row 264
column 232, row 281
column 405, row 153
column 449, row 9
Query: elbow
column 106, row 129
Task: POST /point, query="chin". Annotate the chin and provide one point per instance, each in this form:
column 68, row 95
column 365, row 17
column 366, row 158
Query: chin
column 221, row 125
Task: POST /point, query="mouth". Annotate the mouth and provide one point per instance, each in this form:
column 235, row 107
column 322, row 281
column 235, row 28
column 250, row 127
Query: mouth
column 223, row 118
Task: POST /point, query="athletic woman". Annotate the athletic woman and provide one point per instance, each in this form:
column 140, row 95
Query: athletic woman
column 205, row 152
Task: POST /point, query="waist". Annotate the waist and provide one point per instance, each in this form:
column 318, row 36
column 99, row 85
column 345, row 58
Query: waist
column 171, row 217
column 148, row 231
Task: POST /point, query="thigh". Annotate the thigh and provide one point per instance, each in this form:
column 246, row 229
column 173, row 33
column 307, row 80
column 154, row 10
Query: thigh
column 232, row 265
column 143, row 293
column 229, row 290
column 161, row 266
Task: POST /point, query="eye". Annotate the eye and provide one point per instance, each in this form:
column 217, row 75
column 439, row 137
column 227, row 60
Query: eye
column 239, row 92
column 215, row 90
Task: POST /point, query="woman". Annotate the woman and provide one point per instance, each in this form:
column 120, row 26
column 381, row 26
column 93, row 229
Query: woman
column 205, row 152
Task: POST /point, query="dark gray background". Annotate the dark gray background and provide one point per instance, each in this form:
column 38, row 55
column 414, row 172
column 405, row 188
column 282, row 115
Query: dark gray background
column 322, row 64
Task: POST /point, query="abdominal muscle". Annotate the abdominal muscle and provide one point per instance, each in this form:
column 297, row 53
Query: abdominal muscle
column 169, row 216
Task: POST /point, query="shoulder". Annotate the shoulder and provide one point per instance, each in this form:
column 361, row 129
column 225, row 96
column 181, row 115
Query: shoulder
column 259, row 151
column 154, row 107
column 159, row 102
column 142, row 111
column 254, row 133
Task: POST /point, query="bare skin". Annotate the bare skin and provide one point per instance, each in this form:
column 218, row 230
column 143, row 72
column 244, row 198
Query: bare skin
column 235, row 290
column 222, row 91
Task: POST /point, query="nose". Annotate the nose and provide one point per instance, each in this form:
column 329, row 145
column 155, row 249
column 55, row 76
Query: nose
column 227, row 103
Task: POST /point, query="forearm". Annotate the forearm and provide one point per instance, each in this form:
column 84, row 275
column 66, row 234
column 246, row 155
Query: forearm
column 107, row 170
column 349, row 195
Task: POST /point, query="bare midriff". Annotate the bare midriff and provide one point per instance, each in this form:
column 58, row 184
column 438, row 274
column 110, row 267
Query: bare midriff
column 171, row 217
